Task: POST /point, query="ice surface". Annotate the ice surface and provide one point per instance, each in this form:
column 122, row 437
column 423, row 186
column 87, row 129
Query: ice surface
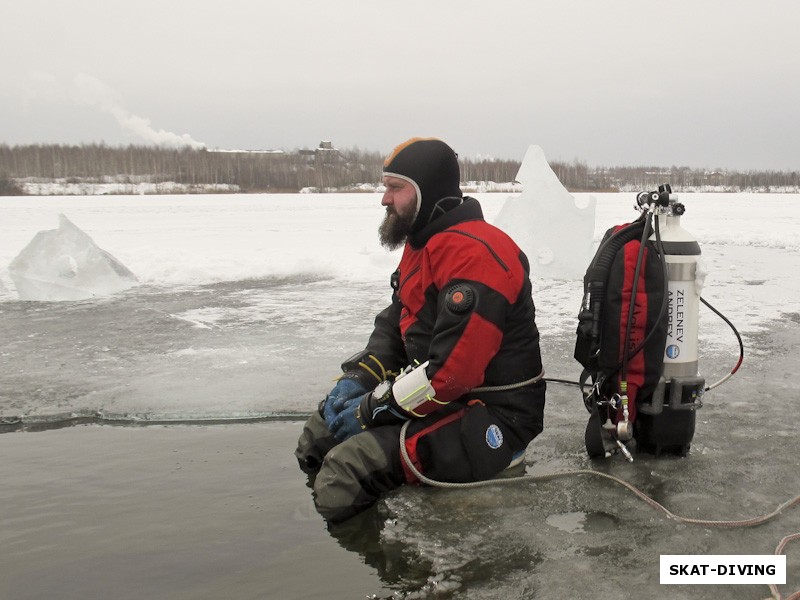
column 66, row 264
column 547, row 223
column 254, row 287
column 248, row 305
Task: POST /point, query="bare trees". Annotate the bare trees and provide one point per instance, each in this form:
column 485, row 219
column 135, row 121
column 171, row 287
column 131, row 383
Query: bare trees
column 326, row 168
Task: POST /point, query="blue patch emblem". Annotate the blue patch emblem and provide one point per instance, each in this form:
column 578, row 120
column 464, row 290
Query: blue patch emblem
column 494, row 437
column 673, row 351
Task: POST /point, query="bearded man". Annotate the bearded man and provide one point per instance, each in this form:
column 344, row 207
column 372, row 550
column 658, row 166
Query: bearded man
column 453, row 363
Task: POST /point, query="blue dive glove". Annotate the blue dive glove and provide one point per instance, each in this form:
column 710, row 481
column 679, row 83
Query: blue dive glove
column 348, row 422
column 373, row 409
column 344, row 390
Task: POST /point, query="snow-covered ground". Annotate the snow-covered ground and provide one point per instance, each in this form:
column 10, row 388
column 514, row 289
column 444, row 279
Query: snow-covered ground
column 291, row 281
column 131, row 186
column 750, row 242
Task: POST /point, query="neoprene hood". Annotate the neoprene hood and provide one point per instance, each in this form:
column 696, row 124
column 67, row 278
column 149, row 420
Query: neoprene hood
column 432, row 167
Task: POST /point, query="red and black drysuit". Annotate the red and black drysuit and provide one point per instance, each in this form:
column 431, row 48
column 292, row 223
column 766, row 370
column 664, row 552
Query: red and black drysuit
column 462, row 301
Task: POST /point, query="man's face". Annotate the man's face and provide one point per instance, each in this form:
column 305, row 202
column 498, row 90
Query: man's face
column 400, row 200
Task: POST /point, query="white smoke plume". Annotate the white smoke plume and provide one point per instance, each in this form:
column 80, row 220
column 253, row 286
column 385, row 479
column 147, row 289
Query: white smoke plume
column 91, row 91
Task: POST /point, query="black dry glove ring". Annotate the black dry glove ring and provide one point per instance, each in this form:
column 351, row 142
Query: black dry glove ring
column 380, row 408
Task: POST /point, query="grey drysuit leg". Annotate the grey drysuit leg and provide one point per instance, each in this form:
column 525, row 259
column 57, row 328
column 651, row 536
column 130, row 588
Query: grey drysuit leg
column 351, row 475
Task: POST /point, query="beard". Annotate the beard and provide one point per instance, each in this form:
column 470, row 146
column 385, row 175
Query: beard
column 395, row 228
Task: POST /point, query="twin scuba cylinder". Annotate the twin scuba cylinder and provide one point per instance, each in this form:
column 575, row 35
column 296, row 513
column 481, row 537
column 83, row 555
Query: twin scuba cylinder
column 638, row 333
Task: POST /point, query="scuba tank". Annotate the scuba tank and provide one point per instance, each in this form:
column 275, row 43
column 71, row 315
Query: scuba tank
column 667, row 418
column 637, row 333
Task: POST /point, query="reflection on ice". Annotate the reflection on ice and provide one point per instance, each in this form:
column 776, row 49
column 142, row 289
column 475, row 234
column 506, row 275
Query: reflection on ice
column 582, row 522
column 431, row 553
column 66, row 264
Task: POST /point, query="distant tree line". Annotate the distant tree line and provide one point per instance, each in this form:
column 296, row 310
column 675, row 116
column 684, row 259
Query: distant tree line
column 577, row 176
column 250, row 171
column 328, row 168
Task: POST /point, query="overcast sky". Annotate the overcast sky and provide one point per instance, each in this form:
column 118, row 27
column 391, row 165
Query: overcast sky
column 610, row 82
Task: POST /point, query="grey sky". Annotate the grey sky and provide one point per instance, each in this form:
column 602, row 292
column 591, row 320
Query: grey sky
column 686, row 82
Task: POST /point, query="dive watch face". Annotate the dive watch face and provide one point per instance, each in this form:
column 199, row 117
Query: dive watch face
column 382, row 389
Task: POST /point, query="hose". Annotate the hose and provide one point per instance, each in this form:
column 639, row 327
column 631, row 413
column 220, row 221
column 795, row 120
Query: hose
column 510, row 386
column 626, row 354
column 778, row 551
column 558, row 474
column 738, row 338
column 629, row 486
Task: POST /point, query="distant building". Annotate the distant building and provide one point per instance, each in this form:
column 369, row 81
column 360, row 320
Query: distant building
column 324, row 148
column 325, row 153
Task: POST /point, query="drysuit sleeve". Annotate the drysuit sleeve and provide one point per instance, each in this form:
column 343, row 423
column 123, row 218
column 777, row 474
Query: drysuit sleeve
column 385, row 354
column 476, row 289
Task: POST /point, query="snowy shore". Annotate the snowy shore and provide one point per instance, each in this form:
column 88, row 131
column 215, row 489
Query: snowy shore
column 105, row 187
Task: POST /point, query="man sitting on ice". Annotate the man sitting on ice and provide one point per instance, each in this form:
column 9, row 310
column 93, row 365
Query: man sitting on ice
column 454, row 358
